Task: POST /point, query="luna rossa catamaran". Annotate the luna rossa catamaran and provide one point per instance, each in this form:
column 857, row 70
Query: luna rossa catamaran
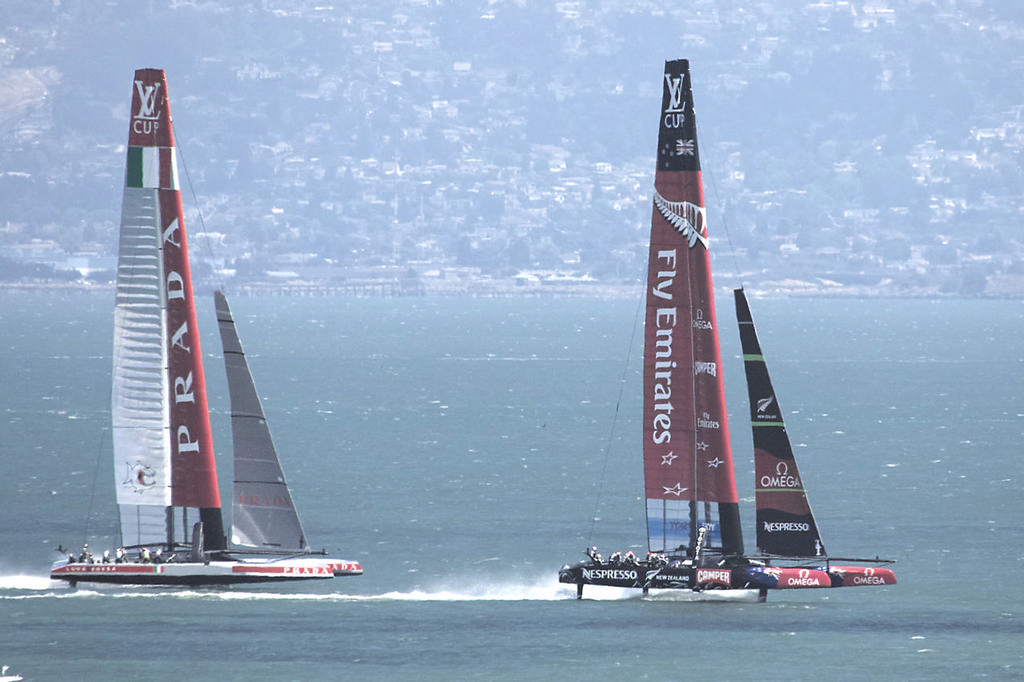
column 171, row 525
column 694, row 535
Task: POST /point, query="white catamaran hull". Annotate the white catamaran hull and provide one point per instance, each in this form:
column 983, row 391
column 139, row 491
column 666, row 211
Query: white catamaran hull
column 211, row 573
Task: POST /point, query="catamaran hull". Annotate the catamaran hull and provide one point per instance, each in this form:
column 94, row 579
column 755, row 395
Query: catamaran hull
column 647, row 578
column 774, row 578
column 343, row 568
column 197, row 574
column 758, row 579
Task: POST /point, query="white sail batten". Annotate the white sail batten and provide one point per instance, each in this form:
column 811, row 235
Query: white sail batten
column 263, row 515
column 142, row 454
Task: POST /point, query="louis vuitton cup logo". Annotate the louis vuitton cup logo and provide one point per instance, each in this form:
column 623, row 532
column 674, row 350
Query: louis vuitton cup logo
column 674, row 88
column 146, row 120
column 677, row 129
column 147, row 100
column 676, row 96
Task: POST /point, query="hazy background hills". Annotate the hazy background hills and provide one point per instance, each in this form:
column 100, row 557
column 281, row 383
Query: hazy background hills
column 847, row 146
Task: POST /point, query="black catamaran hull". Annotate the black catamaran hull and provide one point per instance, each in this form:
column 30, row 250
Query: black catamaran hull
column 712, row 583
column 742, row 574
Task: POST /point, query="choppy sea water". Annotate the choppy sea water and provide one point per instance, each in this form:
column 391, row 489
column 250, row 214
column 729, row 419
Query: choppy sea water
column 463, row 449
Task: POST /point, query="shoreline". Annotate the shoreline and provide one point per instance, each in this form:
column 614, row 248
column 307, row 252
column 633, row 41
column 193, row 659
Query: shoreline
column 512, row 289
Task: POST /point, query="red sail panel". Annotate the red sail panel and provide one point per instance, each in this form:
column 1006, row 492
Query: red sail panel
column 151, row 166
column 686, row 435
column 687, row 455
column 193, row 467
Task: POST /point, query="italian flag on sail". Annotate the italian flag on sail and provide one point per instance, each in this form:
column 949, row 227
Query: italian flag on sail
column 151, row 168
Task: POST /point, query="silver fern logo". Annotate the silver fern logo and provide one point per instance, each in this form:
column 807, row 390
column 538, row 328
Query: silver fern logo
column 689, row 218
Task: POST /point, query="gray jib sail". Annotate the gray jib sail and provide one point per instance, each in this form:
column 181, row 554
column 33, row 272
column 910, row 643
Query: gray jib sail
column 263, row 515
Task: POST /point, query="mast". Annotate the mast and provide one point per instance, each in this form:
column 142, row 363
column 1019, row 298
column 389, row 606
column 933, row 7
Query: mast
column 688, row 469
column 263, row 515
column 785, row 523
column 163, row 447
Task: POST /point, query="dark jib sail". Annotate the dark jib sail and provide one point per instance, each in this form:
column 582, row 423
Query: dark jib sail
column 785, row 524
column 688, row 469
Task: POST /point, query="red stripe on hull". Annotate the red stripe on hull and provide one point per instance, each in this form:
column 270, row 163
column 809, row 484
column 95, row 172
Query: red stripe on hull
column 193, row 574
column 346, row 567
column 857, row 576
column 106, row 569
column 312, row 570
column 800, row 578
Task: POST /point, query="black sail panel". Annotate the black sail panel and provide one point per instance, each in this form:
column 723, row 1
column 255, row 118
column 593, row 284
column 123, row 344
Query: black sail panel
column 785, row 523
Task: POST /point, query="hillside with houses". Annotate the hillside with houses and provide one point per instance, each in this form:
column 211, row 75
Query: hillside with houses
column 495, row 146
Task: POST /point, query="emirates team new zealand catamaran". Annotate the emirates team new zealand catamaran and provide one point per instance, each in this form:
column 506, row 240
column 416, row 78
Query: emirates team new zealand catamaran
column 695, row 541
column 172, row 532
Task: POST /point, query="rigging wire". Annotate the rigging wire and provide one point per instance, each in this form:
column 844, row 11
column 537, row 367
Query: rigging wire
column 737, row 273
column 615, row 416
column 710, row 180
column 95, row 478
column 207, row 241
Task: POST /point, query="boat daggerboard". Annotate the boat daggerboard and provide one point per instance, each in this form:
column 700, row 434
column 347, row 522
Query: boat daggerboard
column 163, row 448
column 262, row 513
column 688, row 468
column 785, row 524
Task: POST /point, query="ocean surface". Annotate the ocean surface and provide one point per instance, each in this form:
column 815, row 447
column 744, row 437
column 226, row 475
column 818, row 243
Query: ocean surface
column 463, row 449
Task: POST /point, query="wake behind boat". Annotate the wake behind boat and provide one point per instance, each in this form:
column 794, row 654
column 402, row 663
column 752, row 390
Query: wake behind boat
column 694, row 535
column 171, row 524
